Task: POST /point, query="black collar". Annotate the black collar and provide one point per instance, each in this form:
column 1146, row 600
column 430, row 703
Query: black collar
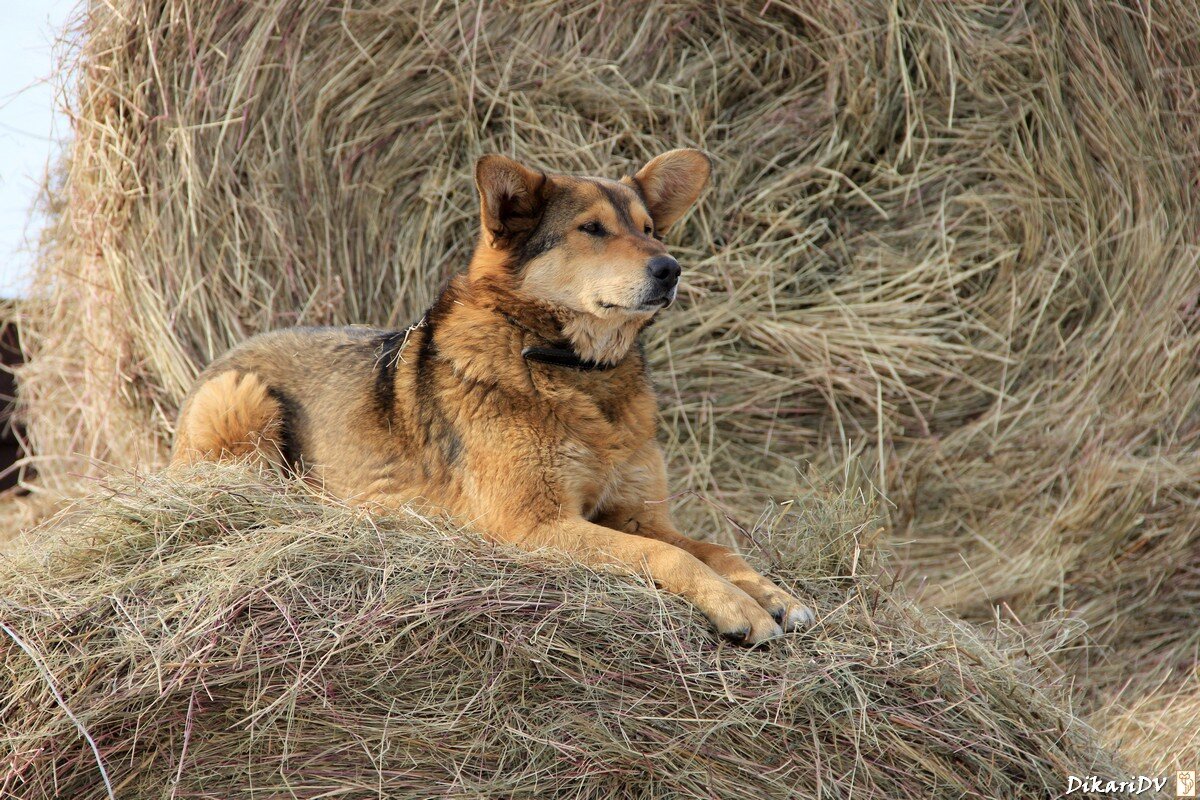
column 564, row 357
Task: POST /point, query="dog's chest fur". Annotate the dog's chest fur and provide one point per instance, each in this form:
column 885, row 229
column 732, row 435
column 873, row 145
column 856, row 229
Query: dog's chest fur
column 603, row 421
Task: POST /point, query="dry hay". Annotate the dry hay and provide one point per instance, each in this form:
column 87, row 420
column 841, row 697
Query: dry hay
column 955, row 242
column 1157, row 731
column 222, row 636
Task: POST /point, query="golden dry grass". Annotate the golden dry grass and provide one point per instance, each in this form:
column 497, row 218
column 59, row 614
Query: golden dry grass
column 228, row 636
column 953, row 243
column 1158, row 730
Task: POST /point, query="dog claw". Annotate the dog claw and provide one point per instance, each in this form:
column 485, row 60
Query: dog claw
column 795, row 618
column 800, row 617
column 744, row 636
column 738, row 635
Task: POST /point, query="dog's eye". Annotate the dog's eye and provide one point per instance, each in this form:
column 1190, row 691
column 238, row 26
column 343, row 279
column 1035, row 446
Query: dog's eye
column 592, row 228
column 648, row 230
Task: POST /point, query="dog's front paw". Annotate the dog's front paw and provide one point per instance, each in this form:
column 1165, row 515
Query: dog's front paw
column 737, row 616
column 786, row 610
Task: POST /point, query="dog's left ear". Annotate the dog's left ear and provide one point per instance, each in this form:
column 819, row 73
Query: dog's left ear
column 510, row 198
column 671, row 183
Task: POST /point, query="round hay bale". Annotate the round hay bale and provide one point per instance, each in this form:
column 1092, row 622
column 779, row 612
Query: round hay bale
column 229, row 636
column 953, row 242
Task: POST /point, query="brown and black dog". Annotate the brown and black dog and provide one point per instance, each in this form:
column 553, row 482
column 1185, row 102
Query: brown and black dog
column 521, row 401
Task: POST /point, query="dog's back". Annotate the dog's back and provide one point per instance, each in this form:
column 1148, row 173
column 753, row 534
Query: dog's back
column 293, row 397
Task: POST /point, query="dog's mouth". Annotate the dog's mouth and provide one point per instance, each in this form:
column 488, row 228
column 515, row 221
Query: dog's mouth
column 644, row 308
column 653, row 305
column 649, row 305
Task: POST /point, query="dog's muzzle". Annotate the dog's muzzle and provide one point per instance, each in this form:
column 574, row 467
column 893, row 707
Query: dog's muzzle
column 664, row 274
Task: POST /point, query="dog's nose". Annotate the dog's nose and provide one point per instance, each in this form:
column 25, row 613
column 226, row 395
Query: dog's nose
column 665, row 270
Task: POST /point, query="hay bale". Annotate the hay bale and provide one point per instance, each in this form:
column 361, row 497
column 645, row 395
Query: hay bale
column 228, row 636
column 954, row 242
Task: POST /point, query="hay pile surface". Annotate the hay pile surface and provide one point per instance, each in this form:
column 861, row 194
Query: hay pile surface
column 229, row 636
column 955, row 243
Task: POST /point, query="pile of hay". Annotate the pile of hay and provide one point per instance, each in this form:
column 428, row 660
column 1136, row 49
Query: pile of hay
column 227, row 637
column 955, row 243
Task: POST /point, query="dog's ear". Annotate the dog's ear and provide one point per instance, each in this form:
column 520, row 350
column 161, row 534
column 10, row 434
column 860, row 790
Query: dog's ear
column 671, row 183
column 510, row 198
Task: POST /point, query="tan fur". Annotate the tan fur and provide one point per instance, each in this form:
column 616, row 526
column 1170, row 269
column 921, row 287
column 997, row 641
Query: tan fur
column 230, row 416
column 672, row 182
column 452, row 412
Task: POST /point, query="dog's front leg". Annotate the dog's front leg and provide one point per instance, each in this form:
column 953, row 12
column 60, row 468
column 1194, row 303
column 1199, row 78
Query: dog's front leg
column 734, row 613
column 641, row 509
column 652, row 522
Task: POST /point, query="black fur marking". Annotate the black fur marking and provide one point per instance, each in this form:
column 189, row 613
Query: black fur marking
column 558, row 206
column 435, row 427
column 620, row 204
column 611, row 408
column 289, row 447
column 638, row 189
column 425, row 400
column 636, row 185
column 425, row 355
column 452, row 448
column 541, row 242
column 387, row 356
column 641, row 351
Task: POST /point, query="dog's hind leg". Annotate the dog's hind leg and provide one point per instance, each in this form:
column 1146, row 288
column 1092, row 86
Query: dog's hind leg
column 231, row 415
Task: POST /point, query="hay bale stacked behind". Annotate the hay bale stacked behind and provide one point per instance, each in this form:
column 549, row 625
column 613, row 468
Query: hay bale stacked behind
column 222, row 637
column 956, row 241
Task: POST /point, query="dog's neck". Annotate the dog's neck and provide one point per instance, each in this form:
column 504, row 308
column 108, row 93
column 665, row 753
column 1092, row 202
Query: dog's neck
column 598, row 341
column 602, row 341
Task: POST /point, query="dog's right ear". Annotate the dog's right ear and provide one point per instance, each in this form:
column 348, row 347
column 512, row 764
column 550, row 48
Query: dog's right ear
column 510, row 198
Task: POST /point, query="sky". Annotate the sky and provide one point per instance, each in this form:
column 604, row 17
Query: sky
column 31, row 131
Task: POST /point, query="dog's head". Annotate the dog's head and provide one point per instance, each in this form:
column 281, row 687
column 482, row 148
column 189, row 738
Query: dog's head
column 590, row 246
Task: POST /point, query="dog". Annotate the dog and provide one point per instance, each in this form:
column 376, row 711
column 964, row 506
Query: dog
column 521, row 402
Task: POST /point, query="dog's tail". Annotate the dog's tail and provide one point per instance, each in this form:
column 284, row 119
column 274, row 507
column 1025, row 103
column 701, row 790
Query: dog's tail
column 231, row 415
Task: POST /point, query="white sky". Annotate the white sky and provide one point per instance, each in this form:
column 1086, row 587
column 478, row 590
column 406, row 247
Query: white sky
column 30, row 130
